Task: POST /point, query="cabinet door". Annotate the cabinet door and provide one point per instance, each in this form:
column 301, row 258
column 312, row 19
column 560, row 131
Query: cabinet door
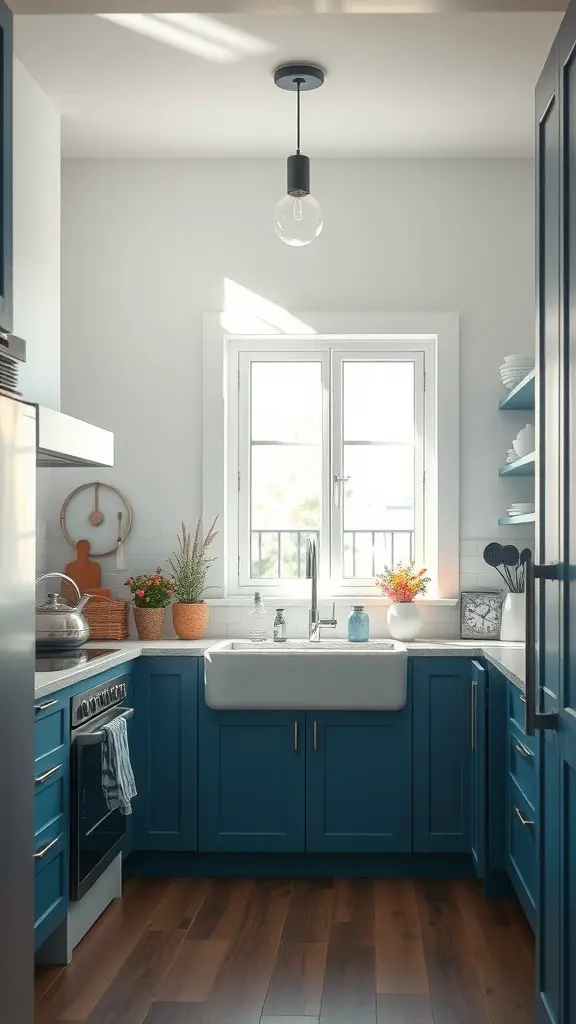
column 359, row 781
column 6, row 63
column 442, row 754
column 164, row 753
column 478, row 787
column 251, row 780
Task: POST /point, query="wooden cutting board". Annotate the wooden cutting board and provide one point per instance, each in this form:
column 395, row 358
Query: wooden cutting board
column 85, row 573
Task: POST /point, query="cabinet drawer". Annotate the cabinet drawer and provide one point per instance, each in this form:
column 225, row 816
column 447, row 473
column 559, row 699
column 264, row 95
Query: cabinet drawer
column 523, row 763
column 50, row 888
column 50, row 800
column 517, row 707
column 521, row 848
column 50, row 727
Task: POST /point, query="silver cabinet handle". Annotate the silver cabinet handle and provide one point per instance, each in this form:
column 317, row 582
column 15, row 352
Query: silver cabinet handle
column 523, row 751
column 42, row 778
column 535, row 718
column 473, row 715
column 42, row 853
column 43, row 707
column 315, row 737
column 295, row 735
column 522, row 698
column 522, row 818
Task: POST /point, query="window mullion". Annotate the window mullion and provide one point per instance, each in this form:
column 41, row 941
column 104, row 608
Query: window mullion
column 337, row 468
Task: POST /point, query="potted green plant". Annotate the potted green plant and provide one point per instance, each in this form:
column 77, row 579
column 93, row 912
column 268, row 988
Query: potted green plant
column 190, row 564
column 152, row 593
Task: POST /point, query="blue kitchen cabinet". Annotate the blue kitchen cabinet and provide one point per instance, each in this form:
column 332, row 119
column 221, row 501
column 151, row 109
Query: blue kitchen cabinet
column 251, row 780
column 164, row 753
column 359, row 781
column 51, row 813
column 442, row 754
column 478, row 823
column 6, row 72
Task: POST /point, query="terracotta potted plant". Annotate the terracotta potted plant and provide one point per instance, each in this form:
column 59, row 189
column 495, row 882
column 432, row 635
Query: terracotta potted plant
column 189, row 566
column 152, row 593
column 402, row 585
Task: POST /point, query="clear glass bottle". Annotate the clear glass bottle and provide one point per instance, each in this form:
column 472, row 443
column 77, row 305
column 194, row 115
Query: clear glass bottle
column 358, row 625
column 280, row 627
column 258, row 620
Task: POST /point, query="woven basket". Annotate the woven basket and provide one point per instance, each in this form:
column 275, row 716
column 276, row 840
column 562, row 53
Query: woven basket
column 108, row 620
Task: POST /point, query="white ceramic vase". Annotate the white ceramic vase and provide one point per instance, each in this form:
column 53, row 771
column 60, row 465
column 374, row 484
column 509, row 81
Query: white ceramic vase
column 404, row 620
column 513, row 626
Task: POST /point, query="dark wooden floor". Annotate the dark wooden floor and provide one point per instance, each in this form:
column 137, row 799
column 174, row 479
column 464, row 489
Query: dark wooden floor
column 189, row 951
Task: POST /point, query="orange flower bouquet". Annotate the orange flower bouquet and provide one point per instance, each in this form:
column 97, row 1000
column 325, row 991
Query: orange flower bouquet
column 402, row 584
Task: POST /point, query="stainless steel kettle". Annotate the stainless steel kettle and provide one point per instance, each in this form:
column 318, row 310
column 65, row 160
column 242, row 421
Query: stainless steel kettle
column 57, row 623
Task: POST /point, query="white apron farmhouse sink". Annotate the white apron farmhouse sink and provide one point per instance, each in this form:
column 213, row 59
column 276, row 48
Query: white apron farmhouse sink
column 331, row 674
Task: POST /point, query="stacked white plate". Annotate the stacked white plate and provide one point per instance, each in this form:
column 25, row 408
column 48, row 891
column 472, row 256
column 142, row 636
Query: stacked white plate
column 521, row 508
column 511, row 456
column 514, row 369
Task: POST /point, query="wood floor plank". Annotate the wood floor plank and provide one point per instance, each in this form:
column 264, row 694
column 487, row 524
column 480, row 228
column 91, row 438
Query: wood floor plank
column 180, row 904
column 400, row 963
column 191, row 976
column 310, row 911
column 289, row 1020
column 44, row 978
column 404, row 1009
column 349, row 993
column 130, row 995
column 240, row 987
column 100, row 955
column 174, row 1013
column 505, row 973
column 297, row 979
column 455, row 991
column 354, row 905
column 223, row 909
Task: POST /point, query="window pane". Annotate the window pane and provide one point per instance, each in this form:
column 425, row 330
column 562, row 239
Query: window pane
column 286, row 487
column 279, row 554
column 378, row 401
column 286, row 401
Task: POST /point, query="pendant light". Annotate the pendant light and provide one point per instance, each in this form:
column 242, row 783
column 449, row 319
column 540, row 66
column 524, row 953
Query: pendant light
column 298, row 217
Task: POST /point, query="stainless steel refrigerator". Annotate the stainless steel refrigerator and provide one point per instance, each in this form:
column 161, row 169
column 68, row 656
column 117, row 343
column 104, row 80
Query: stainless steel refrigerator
column 17, row 578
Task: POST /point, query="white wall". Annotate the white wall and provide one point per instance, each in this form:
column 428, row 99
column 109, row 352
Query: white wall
column 37, row 232
column 146, row 248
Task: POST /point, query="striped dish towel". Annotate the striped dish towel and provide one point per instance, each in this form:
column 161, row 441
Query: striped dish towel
column 118, row 783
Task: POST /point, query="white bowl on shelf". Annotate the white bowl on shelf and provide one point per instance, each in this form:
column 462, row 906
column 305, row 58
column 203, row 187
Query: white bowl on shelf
column 522, row 358
column 525, row 441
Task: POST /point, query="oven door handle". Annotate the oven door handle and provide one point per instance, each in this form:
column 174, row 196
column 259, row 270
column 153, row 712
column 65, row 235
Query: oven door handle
column 85, row 739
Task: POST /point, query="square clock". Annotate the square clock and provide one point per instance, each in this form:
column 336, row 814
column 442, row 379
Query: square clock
column 480, row 614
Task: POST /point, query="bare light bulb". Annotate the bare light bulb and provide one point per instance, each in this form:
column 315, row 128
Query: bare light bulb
column 298, row 219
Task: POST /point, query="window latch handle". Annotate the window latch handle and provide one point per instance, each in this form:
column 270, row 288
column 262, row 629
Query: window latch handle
column 337, row 494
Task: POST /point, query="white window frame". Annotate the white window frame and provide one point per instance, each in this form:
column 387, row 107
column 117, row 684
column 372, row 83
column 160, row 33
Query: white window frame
column 436, row 336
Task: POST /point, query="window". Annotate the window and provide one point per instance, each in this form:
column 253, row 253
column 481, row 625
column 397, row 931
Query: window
column 326, row 439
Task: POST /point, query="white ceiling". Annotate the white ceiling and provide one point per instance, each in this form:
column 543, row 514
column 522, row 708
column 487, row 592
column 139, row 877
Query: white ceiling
column 396, row 85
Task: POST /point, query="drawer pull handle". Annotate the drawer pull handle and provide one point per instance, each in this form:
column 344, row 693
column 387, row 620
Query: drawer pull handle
column 315, row 741
column 522, row 698
column 52, row 771
column 523, row 751
column 295, row 735
column 522, row 818
column 43, row 707
column 42, row 853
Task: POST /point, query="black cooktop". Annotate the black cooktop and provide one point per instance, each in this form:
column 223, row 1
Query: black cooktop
column 59, row 661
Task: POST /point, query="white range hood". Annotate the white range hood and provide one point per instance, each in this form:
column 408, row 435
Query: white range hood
column 63, row 440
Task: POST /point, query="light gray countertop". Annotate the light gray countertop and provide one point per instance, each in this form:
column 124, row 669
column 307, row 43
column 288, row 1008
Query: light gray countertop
column 507, row 657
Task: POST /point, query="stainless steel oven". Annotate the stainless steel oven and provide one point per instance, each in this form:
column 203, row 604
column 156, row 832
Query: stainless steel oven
column 97, row 834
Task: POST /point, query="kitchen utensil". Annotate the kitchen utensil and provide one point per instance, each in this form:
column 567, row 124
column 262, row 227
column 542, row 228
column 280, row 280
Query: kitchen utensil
column 57, row 624
column 96, row 518
column 119, row 544
column 525, row 556
column 86, row 574
column 126, row 519
column 510, row 558
column 492, row 555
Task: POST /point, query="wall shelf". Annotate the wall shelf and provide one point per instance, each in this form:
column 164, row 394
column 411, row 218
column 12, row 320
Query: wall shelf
column 522, row 396
column 530, row 517
column 525, row 466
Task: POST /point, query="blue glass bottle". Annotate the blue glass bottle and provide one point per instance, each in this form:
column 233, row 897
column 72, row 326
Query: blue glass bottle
column 358, row 625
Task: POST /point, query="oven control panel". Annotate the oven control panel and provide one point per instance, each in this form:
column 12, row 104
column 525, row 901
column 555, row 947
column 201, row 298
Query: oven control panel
column 87, row 705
